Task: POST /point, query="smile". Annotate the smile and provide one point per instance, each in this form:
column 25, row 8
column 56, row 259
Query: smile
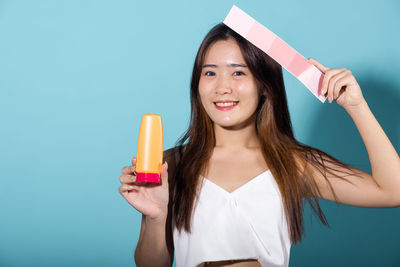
column 225, row 105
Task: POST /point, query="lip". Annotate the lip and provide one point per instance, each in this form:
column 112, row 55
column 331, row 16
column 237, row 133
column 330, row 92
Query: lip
column 225, row 108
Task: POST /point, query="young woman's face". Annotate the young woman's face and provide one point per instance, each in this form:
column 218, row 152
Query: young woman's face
column 227, row 88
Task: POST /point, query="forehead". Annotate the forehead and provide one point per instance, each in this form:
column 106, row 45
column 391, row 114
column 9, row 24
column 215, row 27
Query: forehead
column 224, row 51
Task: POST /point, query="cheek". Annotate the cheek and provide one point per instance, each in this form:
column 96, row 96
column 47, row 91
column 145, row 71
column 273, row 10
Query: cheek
column 255, row 94
column 251, row 97
column 203, row 100
column 252, row 104
column 201, row 90
column 202, row 96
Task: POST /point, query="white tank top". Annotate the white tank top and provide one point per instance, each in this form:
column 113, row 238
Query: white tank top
column 249, row 223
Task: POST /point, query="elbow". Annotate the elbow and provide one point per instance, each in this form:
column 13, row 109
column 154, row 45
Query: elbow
column 397, row 196
column 395, row 200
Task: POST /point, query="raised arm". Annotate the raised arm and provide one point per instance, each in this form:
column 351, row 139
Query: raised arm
column 382, row 187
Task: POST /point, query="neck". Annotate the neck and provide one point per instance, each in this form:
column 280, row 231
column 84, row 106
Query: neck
column 236, row 137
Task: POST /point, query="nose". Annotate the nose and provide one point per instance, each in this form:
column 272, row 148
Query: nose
column 224, row 85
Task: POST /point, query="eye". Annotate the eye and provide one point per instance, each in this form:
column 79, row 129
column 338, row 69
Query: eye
column 209, row 73
column 238, row 73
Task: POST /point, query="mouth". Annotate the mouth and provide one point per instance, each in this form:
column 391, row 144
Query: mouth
column 226, row 105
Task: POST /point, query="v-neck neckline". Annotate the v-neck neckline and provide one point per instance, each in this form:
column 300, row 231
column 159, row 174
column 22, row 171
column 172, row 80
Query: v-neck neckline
column 248, row 183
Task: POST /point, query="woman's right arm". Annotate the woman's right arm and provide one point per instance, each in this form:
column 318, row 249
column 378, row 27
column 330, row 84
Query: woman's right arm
column 155, row 245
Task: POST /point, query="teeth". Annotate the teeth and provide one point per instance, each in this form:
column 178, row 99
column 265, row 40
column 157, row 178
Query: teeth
column 226, row 104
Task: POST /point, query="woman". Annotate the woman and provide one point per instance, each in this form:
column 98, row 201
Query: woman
column 232, row 195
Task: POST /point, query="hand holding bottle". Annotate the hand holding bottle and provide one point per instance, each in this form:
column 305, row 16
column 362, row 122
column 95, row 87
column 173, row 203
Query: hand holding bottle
column 151, row 199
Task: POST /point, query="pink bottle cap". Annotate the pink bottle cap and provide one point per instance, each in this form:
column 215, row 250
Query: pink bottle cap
column 148, row 177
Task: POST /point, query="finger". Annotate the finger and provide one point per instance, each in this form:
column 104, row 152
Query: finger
column 332, row 82
column 318, row 65
column 128, row 170
column 125, row 188
column 134, row 161
column 127, row 179
column 164, row 173
column 327, row 77
column 340, row 84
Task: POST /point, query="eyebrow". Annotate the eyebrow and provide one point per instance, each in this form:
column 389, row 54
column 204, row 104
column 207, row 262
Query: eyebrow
column 233, row 65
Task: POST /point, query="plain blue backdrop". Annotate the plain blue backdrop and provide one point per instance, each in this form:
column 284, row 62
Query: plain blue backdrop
column 77, row 76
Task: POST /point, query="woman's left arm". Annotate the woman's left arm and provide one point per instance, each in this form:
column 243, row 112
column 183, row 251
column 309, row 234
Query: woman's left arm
column 341, row 86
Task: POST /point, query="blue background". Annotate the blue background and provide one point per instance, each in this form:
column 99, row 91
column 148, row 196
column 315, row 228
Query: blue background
column 77, row 76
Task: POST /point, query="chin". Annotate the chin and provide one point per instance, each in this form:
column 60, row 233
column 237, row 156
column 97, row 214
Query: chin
column 229, row 124
column 234, row 124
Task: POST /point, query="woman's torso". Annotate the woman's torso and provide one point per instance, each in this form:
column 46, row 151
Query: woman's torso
column 229, row 172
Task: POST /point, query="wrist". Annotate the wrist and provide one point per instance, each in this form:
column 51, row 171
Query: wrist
column 157, row 220
column 357, row 109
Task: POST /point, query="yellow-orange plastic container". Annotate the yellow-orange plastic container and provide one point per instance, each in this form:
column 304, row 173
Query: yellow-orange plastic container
column 149, row 155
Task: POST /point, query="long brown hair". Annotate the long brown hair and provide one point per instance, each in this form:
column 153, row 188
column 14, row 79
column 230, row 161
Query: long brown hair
column 286, row 158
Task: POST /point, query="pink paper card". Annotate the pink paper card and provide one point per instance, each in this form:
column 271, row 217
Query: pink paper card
column 276, row 48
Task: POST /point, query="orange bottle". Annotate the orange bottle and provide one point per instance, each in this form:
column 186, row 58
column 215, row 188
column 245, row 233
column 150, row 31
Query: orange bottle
column 149, row 155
